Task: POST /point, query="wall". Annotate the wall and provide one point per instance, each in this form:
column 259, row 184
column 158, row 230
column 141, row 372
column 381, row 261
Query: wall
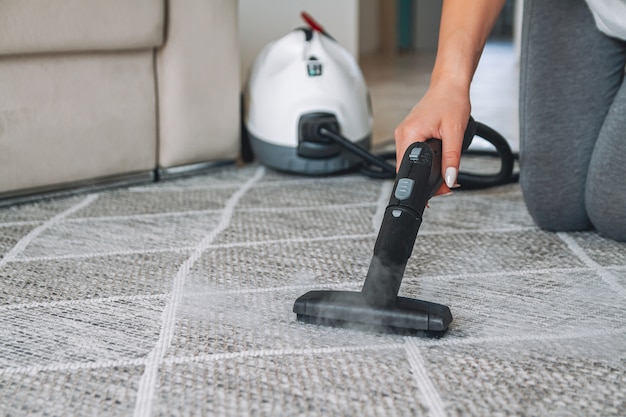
column 262, row 21
column 517, row 27
column 369, row 21
column 368, row 26
column 426, row 30
column 378, row 25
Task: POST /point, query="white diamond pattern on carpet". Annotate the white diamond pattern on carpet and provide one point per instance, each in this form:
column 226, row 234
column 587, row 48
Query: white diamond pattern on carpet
column 175, row 299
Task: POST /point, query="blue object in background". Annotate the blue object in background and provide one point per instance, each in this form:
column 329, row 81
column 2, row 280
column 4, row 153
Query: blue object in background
column 404, row 24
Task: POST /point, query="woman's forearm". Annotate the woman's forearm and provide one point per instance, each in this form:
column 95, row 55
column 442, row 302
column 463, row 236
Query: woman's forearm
column 444, row 109
column 465, row 27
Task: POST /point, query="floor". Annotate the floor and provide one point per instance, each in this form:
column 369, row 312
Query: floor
column 397, row 83
column 175, row 299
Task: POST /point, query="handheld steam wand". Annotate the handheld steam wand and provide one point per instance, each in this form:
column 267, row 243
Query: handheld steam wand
column 377, row 305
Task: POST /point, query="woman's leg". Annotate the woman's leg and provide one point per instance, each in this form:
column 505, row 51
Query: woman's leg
column 605, row 195
column 570, row 74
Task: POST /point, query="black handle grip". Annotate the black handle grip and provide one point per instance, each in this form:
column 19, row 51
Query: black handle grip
column 421, row 166
column 419, row 177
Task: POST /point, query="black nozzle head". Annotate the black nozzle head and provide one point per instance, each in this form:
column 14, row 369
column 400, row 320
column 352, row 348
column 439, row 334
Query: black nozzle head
column 350, row 309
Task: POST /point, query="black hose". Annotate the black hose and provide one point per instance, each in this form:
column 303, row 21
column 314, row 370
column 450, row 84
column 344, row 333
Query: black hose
column 504, row 176
column 387, row 170
column 377, row 166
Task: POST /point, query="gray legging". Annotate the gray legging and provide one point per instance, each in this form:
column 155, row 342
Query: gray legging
column 573, row 120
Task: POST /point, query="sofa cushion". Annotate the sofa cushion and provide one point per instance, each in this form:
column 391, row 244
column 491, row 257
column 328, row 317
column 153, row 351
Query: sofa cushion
column 36, row 26
column 74, row 117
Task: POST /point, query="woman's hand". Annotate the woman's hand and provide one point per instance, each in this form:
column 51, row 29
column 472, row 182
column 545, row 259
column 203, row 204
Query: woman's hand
column 444, row 111
column 443, row 114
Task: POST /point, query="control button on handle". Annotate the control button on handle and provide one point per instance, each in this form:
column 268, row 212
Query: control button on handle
column 415, row 154
column 404, row 188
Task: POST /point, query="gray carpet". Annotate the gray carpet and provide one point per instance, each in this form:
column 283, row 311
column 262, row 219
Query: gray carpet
column 175, row 299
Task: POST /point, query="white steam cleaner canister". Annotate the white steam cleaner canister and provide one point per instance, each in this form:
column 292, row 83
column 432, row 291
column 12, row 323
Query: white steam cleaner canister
column 297, row 84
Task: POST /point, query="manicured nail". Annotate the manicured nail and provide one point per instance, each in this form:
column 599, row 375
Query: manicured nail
column 450, row 177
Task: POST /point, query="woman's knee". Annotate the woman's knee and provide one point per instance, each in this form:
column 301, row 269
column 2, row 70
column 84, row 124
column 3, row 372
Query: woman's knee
column 605, row 194
column 555, row 204
column 607, row 211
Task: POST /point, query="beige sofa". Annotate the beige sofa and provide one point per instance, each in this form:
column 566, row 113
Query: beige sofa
column 100, row 91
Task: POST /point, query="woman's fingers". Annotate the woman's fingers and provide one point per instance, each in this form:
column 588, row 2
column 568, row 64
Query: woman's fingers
column 452, row 143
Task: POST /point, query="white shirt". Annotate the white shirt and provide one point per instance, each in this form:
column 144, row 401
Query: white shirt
column 610, row 16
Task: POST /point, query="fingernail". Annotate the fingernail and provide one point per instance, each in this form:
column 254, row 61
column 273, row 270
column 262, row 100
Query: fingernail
column 449, row 193
column 450, row 177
